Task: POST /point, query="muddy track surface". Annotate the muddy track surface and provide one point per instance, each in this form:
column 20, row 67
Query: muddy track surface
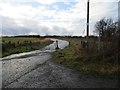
column 36, row 69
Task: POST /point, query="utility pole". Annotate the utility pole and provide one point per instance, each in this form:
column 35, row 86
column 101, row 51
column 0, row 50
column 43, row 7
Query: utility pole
column 87, row 37
column 88, row 3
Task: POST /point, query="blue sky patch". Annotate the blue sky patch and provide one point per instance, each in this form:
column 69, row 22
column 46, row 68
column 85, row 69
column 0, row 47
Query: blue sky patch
column 63, row 6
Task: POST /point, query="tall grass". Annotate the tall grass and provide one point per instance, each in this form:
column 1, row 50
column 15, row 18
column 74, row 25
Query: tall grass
column 11, row 45
column 103, row 62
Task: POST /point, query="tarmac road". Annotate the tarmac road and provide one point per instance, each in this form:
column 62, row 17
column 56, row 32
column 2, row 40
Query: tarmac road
column 36, row 69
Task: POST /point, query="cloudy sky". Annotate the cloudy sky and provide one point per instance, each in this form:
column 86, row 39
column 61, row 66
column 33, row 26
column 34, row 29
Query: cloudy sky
column 53, row 17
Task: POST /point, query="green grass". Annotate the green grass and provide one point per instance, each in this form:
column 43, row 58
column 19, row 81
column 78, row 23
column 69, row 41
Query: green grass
column 87, row 61
column 20, row 39
column 13, row 45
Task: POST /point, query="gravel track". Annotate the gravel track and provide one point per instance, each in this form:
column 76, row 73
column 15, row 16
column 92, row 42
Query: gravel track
column 36, row 69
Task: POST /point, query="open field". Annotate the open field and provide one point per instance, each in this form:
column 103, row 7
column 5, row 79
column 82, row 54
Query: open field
column 12, row 45
column 103, row 62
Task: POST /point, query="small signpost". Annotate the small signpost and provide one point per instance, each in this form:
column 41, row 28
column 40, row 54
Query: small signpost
column 57, row 45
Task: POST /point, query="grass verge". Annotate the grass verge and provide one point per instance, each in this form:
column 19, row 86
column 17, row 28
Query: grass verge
column 88, row 62
column 13, row 45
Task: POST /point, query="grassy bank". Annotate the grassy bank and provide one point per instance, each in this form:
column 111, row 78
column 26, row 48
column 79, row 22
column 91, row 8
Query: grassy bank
column 12, row 45
column 103, row 63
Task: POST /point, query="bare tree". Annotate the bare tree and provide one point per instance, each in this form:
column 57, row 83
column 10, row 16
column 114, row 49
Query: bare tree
column 100, row 27
column 106, row 27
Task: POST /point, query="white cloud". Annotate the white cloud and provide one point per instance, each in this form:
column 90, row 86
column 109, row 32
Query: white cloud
column 97, row 0
column 43, row 20
column 17, row 11
column 32, row 33
column 46, row 1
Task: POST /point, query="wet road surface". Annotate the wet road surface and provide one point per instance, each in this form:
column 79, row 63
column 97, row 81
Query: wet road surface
column 36, row 69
